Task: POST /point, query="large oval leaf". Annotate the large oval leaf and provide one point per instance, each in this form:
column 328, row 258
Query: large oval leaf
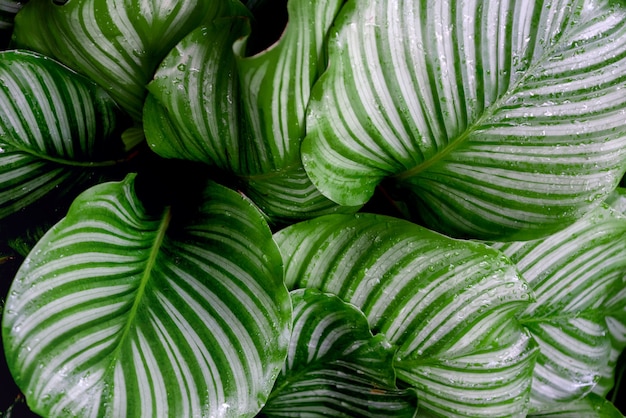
column 118, row 43
column 575, row 274
column 54, row 127
column 492, row 117
column 123, row 312
column 335, row 366
column 447, row 304
column 209, row 102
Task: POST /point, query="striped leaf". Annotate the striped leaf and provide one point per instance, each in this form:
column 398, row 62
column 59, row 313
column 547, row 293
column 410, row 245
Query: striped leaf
column 487, row 118
column 577, row 276
column 617, row 200
column 335, row 366
column 211, row 103
column 448, row 305
column 592, row 406
column 116, row 43
column 615, row 307
column 8, row 10
column 120, row 311
column 55, row 127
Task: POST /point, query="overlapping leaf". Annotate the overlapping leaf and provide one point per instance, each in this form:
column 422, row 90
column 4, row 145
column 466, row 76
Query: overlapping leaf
column 213, row 104
column 491, row 117
column 592, row 406
column 116, row 43
column 120, row 311
column 54, row 127
column 335, row 366
column 447, row 304
column 617, row 200
column 577, row 276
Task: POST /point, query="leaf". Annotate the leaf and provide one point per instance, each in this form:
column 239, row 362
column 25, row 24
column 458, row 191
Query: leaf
column 55, row 128
column 118, row 43
column 488, row 119
column 591, row 406
column 8, row 10
column 446, row 304
column 617, row 200
column 120, row 311
column 209, row 102
column 615, row 306
column 335, row 366
column 573, row 274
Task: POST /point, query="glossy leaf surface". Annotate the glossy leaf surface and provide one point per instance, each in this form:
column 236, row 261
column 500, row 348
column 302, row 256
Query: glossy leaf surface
column 119, row 311
column 118, row 43
column 492, row 118
column 592, row 406
column 577, row 276
column 447, row 304
column 210, row 102
column 335, row 366
column 54, row 127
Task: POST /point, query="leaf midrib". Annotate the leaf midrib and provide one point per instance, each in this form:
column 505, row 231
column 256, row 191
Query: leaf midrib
column 154, row 252
column 64, row 161
column 488, row 112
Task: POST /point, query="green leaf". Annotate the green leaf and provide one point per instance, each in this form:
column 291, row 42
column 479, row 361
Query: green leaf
column 591, row 406
column 489, row 119
column 120, row 311
column 617, row 200
column 448, row 305
column 55, row 128
column 335, row 366
column 615, row 306
column 574, row 274
column 118, row 43
column 210, row 103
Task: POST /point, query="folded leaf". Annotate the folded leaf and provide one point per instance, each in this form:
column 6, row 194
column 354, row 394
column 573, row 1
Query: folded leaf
column 574, row 274
column 335, row 366
column 118, row 43
column 55, row 127
column 488, row 118
column 617, row 200
column 447, row 304
column 211, row 103
column 120, row 311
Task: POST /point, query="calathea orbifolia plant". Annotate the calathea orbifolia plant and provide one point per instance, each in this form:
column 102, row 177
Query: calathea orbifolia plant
column 227, row 262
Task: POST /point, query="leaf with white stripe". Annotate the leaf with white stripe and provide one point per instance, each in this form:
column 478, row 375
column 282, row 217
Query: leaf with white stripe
column 615, row 307
column 335, row 366
column 8, row 10
column 591, row 406
column 209, row 102
column 448, row 305
column 573, row 274
column 617, row 200
column 116, row 43
column 488, row 118
column 55, row 128
column 123, row 311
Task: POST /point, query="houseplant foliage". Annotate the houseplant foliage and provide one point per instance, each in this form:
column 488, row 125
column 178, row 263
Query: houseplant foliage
column 395, row 209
